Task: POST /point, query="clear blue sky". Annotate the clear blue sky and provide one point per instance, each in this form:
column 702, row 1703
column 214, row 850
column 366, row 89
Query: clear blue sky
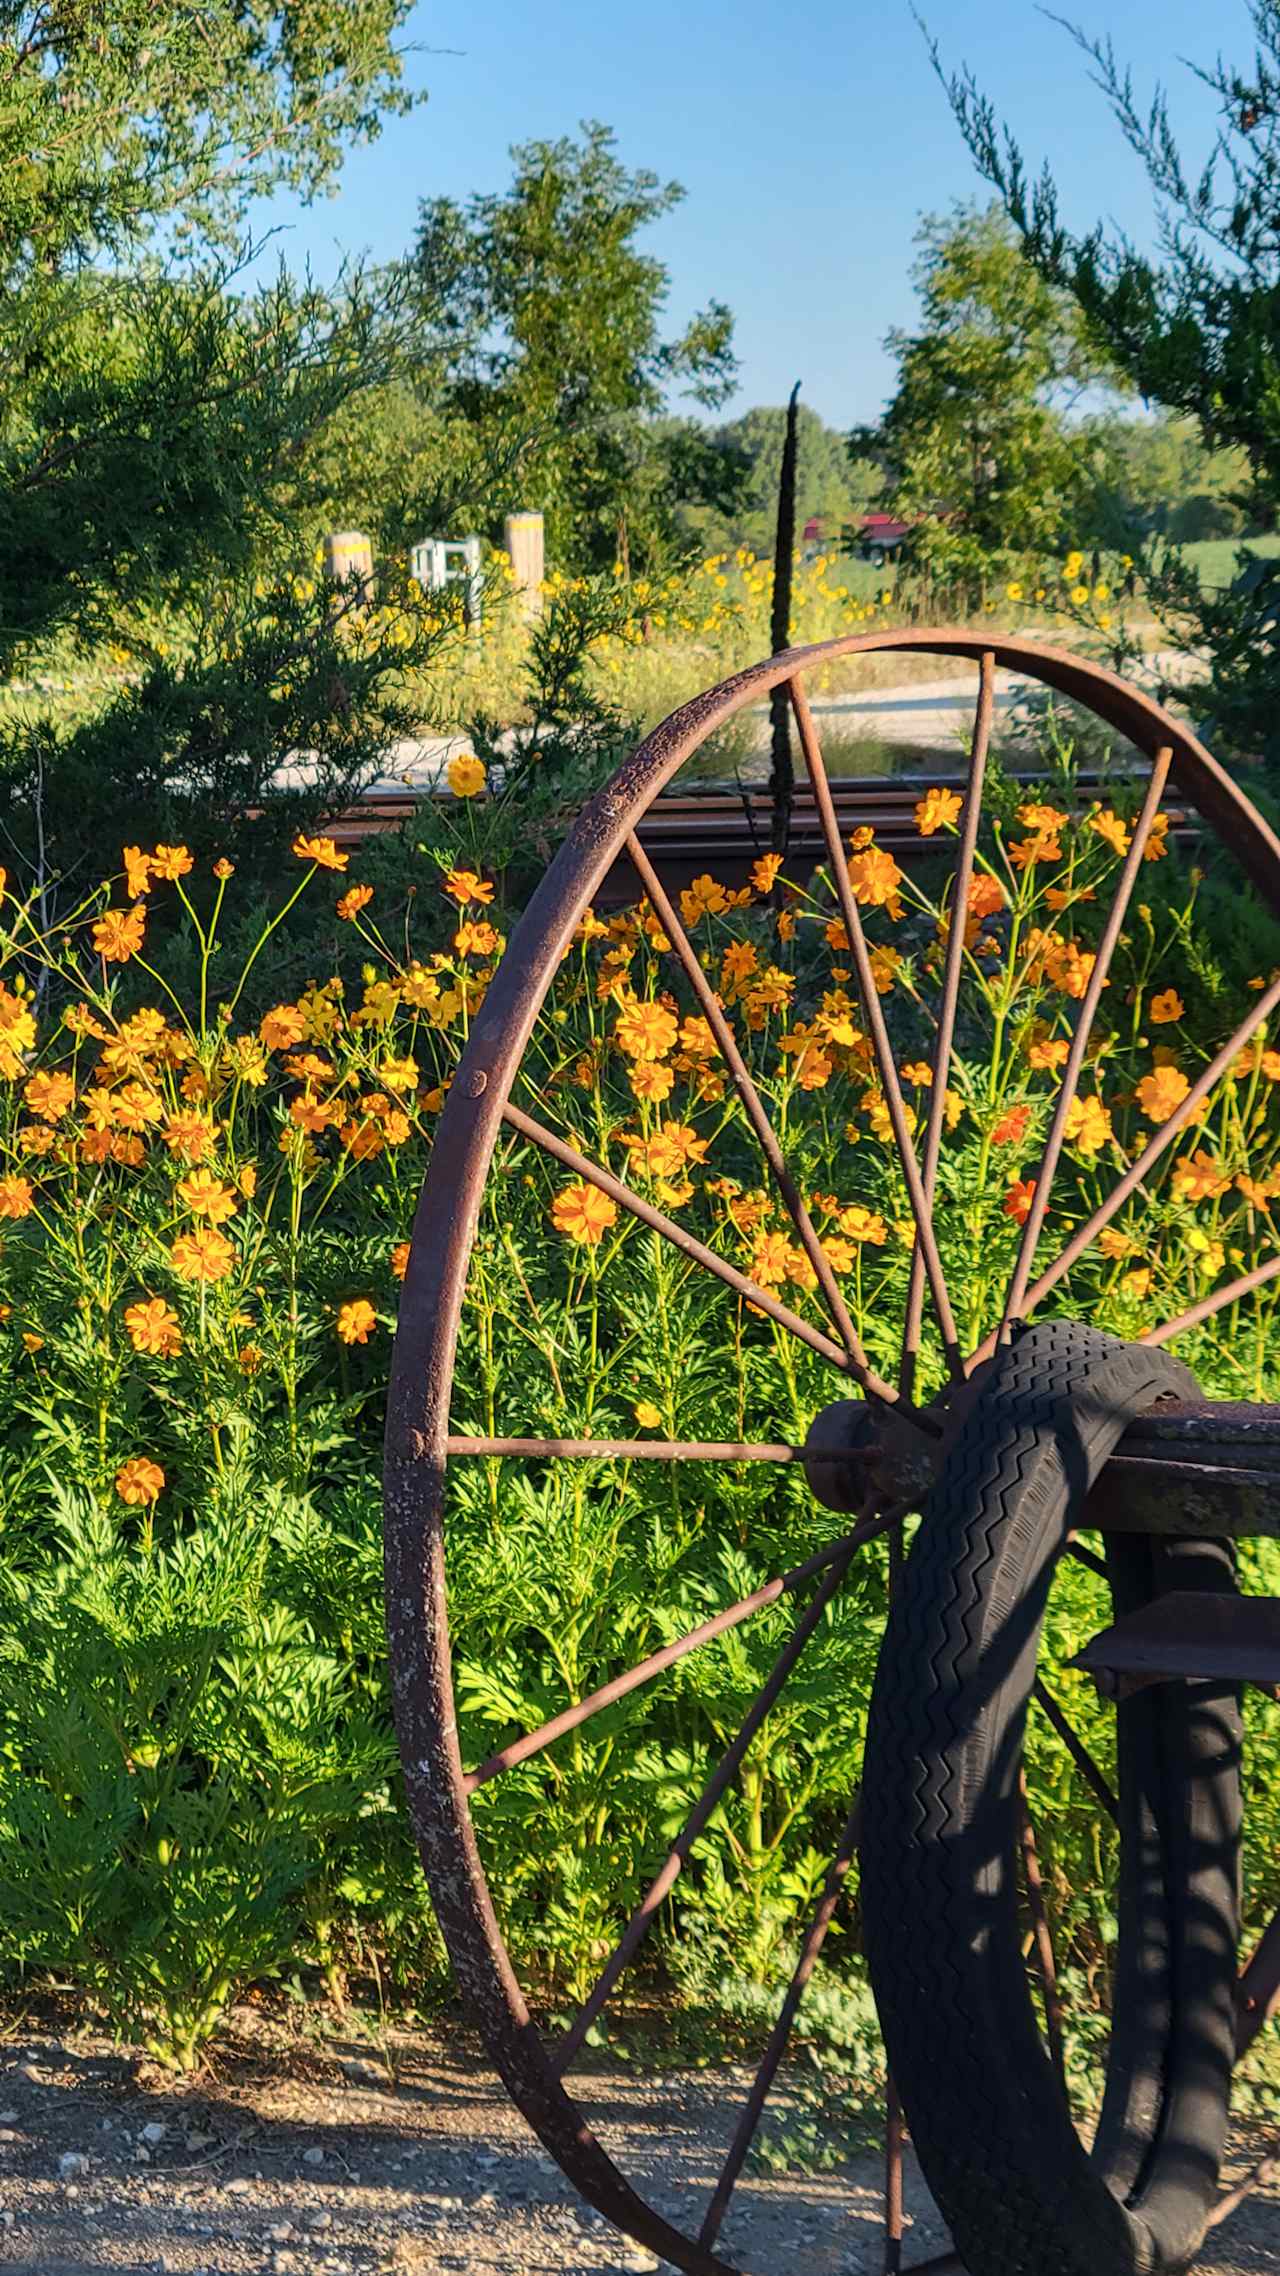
column 808, row 139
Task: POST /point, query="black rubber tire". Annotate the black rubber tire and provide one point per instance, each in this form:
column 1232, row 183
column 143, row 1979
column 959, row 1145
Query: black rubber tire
column 991, row 2126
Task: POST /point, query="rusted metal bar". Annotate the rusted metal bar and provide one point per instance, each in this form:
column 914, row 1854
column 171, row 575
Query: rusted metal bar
column 1077, row 1750
column 695, row 1250
column 1258, row 1991
column 626, row 1449
column 894, row 2195
column 1221, row 1297
column 875, row 1020
column 1048, row 1966
column 944, row 1038
column 1090, row 1001
column 726, row 1770
column 713, row 1012
column 1139, row 1169
column 658, row 1662
column 744, row 2132
column 1194, row 1634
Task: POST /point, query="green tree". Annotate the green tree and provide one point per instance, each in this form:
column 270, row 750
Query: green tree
column 548, row 320
column 975, row 442
column 1192, row 325
column 160, row 419
column 743, row 511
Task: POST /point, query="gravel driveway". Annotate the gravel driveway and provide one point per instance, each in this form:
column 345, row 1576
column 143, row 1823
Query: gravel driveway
column 294, row 2155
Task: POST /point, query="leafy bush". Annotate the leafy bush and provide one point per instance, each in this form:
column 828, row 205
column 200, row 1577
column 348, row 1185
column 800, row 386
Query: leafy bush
column 210, row 1166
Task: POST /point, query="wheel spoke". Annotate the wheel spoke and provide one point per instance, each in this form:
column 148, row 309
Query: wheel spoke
column 1077, row 1750
column 1218, row 1302
column 1080, row 1040
column 1087, row 1233
column 945, row 1036
column 744, row 2132
column 1266, row 2170
column 1034, row 1886
column 726, row 1770
column 690, row 1247
column 875, row 1019
column 626, row 1449
column 713, row 1013
column 570, row 1718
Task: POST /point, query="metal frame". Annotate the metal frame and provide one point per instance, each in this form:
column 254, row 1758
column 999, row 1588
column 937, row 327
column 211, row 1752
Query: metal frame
column 874, row 1468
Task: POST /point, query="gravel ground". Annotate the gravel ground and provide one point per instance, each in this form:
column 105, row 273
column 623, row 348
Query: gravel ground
column 293, row 2155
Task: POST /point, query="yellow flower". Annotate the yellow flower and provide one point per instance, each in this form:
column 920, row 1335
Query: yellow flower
column 204, row 1256
column 1136, row 1285
column 1158, row 1094
column 322, row 851
column 1013, row 591
column 1166, row 1007
column 16, row 1197
column 582, row 1213
column 937, row 810
column 466, row 775
column 1079, row 595
column 647, row 1415
column 139, row 1481
column 206, row 1196
column 119, row 934
column 357, row 1320
column 353, row 901
column 152, row 1326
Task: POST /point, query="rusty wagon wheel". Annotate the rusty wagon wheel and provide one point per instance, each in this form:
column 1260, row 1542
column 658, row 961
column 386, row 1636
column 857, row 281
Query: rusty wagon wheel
column 873, row 1455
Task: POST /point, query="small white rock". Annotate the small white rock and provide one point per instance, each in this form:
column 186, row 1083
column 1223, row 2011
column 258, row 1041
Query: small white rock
column 71, row 2163
column 155, row 2131
column 281, row 2233
column 318, row 2221
column 238, row 2188
column 313, row 2156
column 8, row 2117
column 641, row 2262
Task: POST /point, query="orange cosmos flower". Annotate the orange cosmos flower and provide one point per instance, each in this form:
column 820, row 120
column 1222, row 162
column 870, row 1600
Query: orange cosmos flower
column 49, row 1096
column 986, row 895
column 119, row 934
column 152, row 1326
column 188, row 1136
column 1199, row 1178
column 582, row 1213
column 353, row 901
column 645, row 1030
column 1088, row 1124
column 223, row 869
column 1166, row 1007
column 650, row 1079
column 282, row 1027
column 139, row 1482
column 466, row 776
column 400, row 1259
column 764, row 873
column 1109, row 827
column 172, row 862
column 1017, row 1201
column 202, row 1256
column 1159, row 1093
column 17, row 1198
column 465, row 885
column 137, row 872
column 875, row 877
column 322, row 851
column 937, row 810
column 1011, row 1127
column 704, row 898
column 206, row 1196
column 357, row 1320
